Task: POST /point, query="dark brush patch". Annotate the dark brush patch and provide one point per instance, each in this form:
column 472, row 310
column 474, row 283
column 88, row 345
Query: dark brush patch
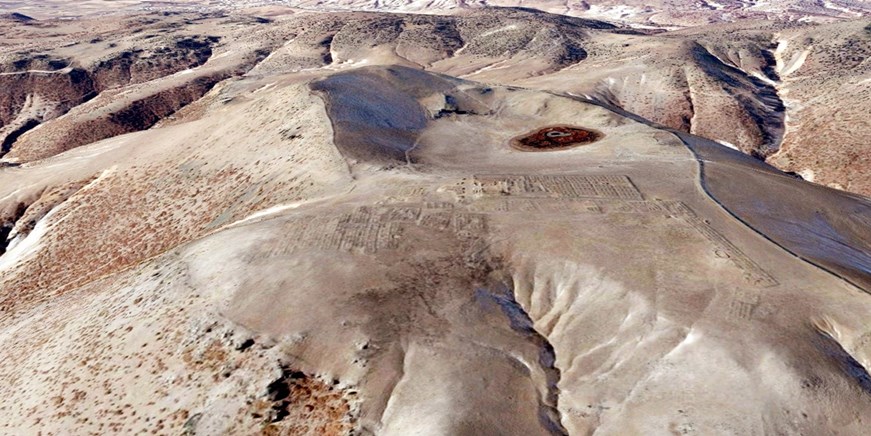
column 15, row 134
column 451, row 108
column 555, row 138
column 280, row 389
column 245, row 345
column 8, row 224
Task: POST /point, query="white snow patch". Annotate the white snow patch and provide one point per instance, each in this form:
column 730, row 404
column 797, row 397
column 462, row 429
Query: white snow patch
column 715, row 5
column 763, row 78
column 829, row 5
column 614, row 13
column 268, row 211
column 781, row 46
column 494, row 66
column 728, row 144
column 264, row 87
column 692, row 337
column 19, row 249
column 807, row 174
column 497, row 30
column 336, row 66
column 796, row 62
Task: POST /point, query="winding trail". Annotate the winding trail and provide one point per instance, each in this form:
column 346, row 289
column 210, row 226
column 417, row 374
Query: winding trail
column 694, row 144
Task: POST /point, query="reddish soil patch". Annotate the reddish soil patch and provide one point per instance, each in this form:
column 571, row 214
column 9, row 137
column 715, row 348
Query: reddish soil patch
column 555, row 138
column 304, row 405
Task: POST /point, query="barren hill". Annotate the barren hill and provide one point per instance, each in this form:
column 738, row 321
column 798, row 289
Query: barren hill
column 648, row 13
column 793, row 94
column 499, row 221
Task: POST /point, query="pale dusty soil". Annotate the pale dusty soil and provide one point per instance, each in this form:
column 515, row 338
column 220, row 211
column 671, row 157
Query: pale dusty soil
column 463, row 287
column 792, row 92
column 318, row 243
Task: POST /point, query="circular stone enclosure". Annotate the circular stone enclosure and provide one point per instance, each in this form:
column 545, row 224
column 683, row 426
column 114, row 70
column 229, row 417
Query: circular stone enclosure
column 553, row 138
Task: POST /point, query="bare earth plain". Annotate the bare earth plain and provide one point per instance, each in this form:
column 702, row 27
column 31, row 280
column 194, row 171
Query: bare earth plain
column 295, row 222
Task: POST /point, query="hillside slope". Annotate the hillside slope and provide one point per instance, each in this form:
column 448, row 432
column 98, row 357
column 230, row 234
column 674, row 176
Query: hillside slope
column 794, row 94
column 495, row 222
column 290, row 272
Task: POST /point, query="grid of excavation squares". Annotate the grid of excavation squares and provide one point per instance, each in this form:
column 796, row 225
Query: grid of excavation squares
column 570, row 186
column 371, row 229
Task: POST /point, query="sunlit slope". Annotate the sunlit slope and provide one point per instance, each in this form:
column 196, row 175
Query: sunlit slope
column 276, row 262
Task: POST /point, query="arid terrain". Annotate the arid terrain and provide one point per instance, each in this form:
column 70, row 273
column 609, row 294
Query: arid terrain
column 794, row 93
column 337, row 218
